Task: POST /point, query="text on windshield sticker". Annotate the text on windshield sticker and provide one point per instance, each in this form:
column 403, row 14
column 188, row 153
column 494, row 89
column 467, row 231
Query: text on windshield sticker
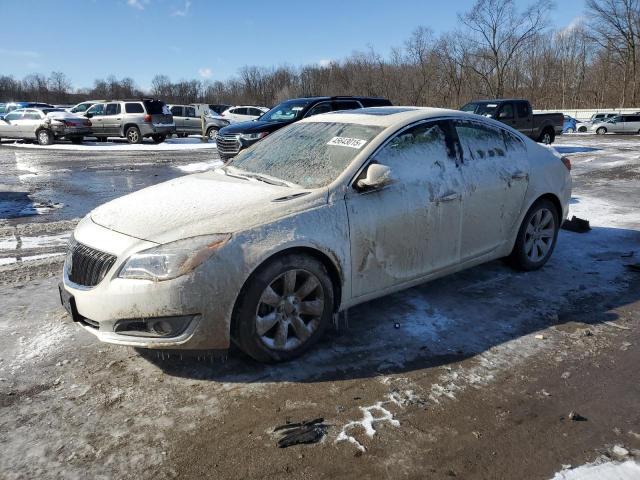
column 347, row 142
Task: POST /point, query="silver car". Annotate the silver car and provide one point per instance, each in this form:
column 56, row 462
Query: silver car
column 619, row 124
column 44, row 125
column 131, row 119
column 188, row 121
column 319, row 216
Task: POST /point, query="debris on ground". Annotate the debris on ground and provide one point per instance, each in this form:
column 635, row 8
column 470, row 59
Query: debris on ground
column 578, row 225
column 539, row 337
column 576, row 417
column 620, row 451
column 308, row 431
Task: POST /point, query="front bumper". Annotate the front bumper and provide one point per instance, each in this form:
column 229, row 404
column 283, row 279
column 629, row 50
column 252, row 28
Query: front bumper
column 201, row 301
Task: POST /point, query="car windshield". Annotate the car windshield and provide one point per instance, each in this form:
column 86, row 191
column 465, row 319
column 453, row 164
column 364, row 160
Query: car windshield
column 289, row 110
column 310, row 155
column 486, row 109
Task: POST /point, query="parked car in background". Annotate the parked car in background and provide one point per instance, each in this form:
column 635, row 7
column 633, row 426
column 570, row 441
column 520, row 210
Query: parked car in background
column 570, row 125
column 188, row 121
column 236, row 137
column 243, row 113
column 601, row 117
column 3, row 108
column 618, row 124
column 82, row 107
column 131, row 119
column 218, row 108
column 11, row 106
column 44, row 125
column 517, row 113
column 322, row 215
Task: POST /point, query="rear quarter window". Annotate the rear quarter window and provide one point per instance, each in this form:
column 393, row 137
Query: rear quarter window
column 133, row 108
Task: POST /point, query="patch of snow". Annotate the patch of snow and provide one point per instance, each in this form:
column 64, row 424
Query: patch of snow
column 8, row 243
column 367, row 423
column 171, row 144
column 199, row 166
column 29, row 258
column 44, row 241
column 629, row 470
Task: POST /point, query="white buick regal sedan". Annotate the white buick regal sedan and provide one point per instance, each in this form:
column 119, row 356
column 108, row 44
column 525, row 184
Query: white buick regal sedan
column 326, row 213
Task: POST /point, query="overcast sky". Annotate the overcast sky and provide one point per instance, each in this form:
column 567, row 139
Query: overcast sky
column 209, row 39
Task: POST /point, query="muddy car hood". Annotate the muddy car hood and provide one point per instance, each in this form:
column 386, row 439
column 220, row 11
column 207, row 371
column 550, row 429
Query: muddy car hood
column 198, row 204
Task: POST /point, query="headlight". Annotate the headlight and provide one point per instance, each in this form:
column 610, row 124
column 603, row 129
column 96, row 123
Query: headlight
column 253, row 136
column 173, row 259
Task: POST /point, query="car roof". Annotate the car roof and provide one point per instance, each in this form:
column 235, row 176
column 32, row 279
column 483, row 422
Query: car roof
column 387, row 116
column 498, row 100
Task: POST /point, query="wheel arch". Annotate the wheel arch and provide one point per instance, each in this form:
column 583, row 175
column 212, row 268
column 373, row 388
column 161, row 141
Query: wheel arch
column 126, row 126
column 553, row 198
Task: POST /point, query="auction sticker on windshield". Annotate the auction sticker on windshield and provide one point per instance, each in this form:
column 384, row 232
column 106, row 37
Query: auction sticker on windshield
column 347, row 142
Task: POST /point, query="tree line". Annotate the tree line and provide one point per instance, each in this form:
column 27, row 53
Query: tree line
column 498, row 50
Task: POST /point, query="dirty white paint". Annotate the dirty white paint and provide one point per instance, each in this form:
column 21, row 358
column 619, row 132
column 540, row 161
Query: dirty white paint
column 629, row 470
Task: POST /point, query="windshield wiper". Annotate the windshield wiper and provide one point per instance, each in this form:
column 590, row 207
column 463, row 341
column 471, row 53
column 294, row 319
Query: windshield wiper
column 260, row 178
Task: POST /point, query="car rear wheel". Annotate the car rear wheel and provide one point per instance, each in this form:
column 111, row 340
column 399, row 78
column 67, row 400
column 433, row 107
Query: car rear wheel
column 537, row 236
column 76, row 140
column 158, row 138
column 547, row 137
column 133, row 135
column 284, row 308
column 601, row 131
column 45, row 137
column 212, row 133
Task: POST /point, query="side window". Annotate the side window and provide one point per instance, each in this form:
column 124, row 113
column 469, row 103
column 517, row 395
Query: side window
column 523, row 110
column 97, row 109
column 239, row 111
column 189, row 112
column 513, row 143
column 479, row 141
column 133, row 108
column 633, row 118
column 31, row 115
column 112, row 109
column 256, row 112
column 415, row 152
column 346, row 105
column 176, row 111
column 13, row 116
column 322, row 107
column 506, row 112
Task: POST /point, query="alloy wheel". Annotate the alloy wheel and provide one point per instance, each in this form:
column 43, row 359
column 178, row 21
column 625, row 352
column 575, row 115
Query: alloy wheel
column 546, row 138
column 133, row 136
column 290, row 310
column 540, row 235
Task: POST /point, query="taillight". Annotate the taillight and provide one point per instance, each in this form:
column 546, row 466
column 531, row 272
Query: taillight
column 147, row 118
column 567, row 162
column 87, row 123
column 68, row 124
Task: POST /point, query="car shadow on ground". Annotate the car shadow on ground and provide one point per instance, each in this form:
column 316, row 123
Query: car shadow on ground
column 453, row 318
column 567, row 149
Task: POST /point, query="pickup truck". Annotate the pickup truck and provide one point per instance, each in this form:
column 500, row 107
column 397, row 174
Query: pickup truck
column 517, row 113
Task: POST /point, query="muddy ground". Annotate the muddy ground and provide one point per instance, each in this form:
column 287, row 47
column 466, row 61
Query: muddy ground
column 472, row 376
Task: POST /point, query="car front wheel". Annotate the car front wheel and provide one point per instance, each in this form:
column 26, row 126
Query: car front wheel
column 284, row 308
column 133, row 135
column 212, row 133
column 547, row 137
column 45, row 137
column 537, row 236
column 601, row 131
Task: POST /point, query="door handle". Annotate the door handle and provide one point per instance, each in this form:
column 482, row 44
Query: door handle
column 449, row 198
column 519, row 175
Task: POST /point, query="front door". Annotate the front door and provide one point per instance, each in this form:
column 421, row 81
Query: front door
column 495, row 170
column 10, row 126
column 178, row 118
column 192, row 123
column 96, row 115
column 411, row 227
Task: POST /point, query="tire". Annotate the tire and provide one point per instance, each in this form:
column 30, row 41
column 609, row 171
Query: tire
column 283, row 309
column 582, row 129
column 133, row 135
column 45, row 137
column 547, row 136
column 528, row 256
column 77, row 140
column 601, row 131
column 212, row 133
column 570, row 130
column 158, row 138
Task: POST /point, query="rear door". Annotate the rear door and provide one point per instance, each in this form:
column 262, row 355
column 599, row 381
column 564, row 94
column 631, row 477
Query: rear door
column 178, row 118
column 112, row 119
column 524, row 118
column 29, row 123
column 495, row 172
column 632, row 124
column 191, row 121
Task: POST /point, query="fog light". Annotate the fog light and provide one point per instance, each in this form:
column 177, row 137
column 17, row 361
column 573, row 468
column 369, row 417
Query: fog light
column 153, row 327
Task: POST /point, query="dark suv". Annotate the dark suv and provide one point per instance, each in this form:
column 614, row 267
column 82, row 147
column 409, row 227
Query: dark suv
column 235, row 137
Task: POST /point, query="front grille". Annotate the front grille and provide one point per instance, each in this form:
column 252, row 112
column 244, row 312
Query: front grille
column 228, row 144
column 87, row 266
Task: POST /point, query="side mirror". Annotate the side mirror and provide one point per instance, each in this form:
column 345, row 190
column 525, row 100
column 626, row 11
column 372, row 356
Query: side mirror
column 378, row 176
column 88, row 115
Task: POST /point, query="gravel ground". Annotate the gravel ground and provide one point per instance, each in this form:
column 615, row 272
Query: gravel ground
column 471, row 376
